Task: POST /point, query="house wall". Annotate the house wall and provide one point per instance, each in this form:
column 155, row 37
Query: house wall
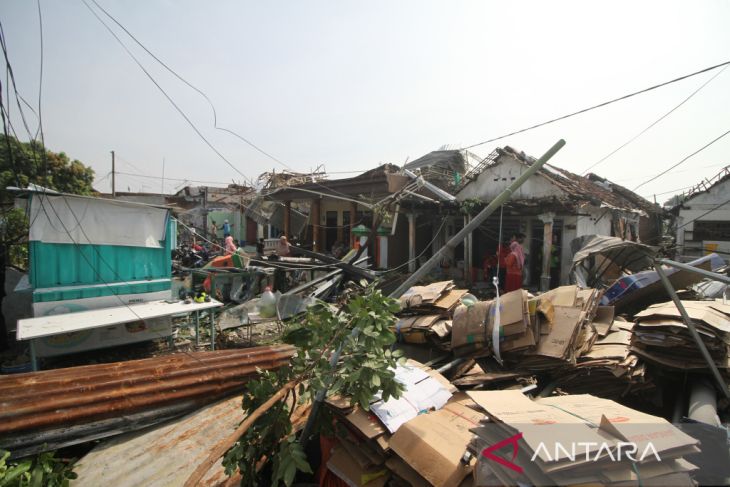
column 492, row 181
column 593, row 221
column 694, row 209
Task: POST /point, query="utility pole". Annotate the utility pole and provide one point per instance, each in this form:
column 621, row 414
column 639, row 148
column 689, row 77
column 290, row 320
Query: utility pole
column 162, row 190
column 114, row 190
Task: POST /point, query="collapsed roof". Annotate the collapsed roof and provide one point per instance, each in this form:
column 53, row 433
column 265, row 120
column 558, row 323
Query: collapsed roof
column 591, row 189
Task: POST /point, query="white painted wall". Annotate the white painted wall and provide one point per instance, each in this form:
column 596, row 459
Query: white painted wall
column 492, row 181
column 695, row 209
column 593, row 221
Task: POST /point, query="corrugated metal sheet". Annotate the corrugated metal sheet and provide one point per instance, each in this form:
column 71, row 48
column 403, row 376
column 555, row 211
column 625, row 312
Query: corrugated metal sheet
column 67, row 406
column 167, row 454
column 162, row 456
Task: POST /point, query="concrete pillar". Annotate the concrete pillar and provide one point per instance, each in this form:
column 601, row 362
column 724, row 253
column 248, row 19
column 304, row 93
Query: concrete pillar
column 316, row 206
column 468, row 251
column 287, row 219
column 547, row 246
column 527, row 277
column 340, row 230
column 353, row 222
column 411, row 242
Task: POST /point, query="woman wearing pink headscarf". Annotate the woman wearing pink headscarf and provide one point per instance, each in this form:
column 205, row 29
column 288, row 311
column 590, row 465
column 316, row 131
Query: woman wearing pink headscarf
column 515, row 262
column 230, row 246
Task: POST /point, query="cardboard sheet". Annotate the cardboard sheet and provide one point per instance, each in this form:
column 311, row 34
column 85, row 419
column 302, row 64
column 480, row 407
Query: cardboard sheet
column 344, row 466
column 561, row 296
column 469, row 325
column 603, row 319
column 433, row 443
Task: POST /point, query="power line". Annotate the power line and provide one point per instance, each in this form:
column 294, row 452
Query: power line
column 654, row 123
column 704, row 214
column 600, row 105
column 18, row 98
column 638, row 178
column 199, row 91
column 40, row 96
column 170, row 179
column 172, row 102
column 682, row 161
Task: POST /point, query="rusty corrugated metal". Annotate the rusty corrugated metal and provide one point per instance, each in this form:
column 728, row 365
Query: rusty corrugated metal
column 64, row 406
column 164, row 455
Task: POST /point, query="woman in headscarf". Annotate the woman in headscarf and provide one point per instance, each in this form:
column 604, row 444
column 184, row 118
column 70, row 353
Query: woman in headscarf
column 282, row 248
column 515, row 261
column 230, row 246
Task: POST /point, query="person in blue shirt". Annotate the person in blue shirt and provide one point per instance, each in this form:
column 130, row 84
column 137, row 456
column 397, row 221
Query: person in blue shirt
column 226, row 229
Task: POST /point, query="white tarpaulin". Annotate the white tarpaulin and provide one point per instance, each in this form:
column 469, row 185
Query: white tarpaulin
column 83, row 220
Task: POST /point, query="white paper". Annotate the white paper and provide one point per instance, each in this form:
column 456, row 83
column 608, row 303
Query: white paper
column 422, row 393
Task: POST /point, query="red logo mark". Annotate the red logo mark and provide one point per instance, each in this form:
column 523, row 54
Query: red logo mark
column 487, row 452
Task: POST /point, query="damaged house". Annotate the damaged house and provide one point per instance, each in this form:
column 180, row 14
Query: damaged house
column 417, row 198
column 703, row 217
column 552, row 208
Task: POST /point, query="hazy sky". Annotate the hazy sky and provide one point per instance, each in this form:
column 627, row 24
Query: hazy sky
column 354, row 84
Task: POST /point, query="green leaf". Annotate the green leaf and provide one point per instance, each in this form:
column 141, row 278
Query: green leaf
column 289, row 472
column 375, row 380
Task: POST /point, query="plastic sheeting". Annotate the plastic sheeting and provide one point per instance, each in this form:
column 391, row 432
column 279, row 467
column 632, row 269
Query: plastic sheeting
column 67, row 219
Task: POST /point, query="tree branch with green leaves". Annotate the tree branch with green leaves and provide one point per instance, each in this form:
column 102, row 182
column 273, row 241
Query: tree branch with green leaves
column 362, row 327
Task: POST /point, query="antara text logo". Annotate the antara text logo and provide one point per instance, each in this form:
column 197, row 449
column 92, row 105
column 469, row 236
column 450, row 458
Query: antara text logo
column 574, row 451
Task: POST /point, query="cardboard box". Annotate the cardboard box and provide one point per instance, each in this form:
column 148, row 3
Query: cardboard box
column 469, row 325
column 434, row 443
column 344, row 466
column 365, row 422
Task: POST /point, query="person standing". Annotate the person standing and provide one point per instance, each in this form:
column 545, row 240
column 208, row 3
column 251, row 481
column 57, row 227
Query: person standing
column 515, row 263
column 283, row 249
column 226, row 229
column 213, row 230
column 503, row 252
column 230, row 246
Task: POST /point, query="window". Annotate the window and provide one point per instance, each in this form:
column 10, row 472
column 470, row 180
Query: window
column 711, row 230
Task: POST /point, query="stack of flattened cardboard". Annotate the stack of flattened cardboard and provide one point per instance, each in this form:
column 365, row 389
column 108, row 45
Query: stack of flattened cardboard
column 660, row 335
column 472, row 327
column 426, row 449
column 426, row 313
column 518, row 330
column 608, row 369
column 469, row 329
column 581, row 439
column 569, row 330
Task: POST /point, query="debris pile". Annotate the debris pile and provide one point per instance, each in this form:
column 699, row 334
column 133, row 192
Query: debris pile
column 418, row 439
column 426, row 315
column 563, row 335
column 580, row 439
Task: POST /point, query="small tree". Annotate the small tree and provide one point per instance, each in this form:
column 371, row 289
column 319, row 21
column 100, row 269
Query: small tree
column 23, row 163
column 362, row 328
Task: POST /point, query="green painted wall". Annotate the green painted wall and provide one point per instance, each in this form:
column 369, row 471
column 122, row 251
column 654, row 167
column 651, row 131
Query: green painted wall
column 82, row 265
